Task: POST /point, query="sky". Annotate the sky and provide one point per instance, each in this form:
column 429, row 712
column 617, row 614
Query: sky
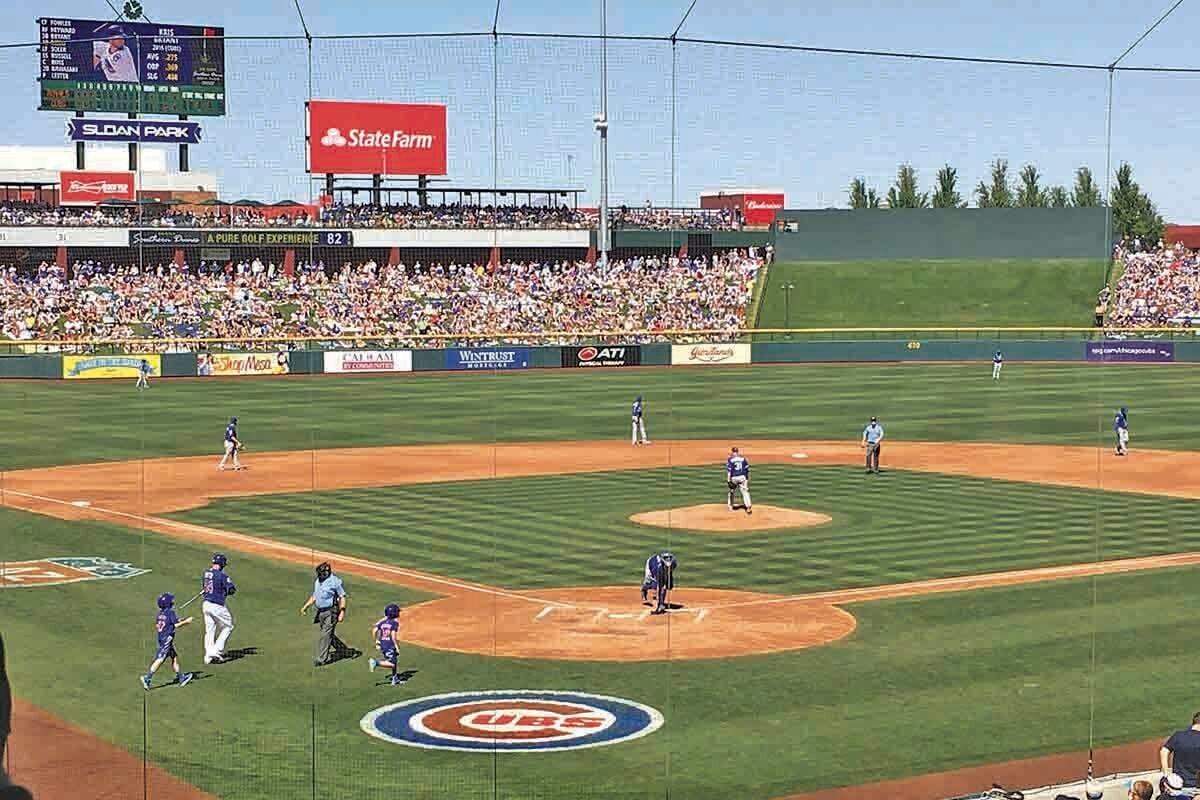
column 520, row 108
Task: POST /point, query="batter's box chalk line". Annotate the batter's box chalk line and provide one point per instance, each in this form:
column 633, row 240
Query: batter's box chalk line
column 799, row 455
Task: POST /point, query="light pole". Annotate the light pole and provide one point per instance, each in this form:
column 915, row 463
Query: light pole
column 787, row 306
column 600, row 121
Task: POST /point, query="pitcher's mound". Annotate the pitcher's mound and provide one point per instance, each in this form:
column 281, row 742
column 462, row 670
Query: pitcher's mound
column 716, row 518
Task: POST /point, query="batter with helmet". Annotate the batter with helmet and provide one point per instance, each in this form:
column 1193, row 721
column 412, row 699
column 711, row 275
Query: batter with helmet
column 165, row 625
column 385, row 633
column 216, row 587
column 659, row 578
column 329, row 598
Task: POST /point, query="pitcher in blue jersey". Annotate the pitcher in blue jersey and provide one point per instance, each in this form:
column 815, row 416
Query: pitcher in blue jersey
column 737, row 479
column 165, row 625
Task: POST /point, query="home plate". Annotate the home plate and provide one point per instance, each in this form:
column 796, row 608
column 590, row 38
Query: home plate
column 799, row 455
column 81, row 503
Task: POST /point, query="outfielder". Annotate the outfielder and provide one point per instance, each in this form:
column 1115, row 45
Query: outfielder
column 232, row 445
column 165, row 625
column 660, row 577
column 639, row 425
column 872, row 440
column 737, row 479
column 143, row 373
column 216, row 587
column 1121, row 428
column 997, row 363
column 384, row 632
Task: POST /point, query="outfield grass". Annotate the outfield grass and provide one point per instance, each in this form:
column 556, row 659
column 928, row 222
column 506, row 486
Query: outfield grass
column 932, row 293
column 61, row 422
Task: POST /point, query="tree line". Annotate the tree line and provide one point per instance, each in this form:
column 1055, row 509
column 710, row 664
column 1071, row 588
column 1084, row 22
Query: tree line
column 1134, row 214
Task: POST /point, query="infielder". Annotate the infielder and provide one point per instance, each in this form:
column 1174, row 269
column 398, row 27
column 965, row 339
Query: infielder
column 143, row 374
column 216, row 587
column 997, row 363
column 384, row 632
column 639, row 425
column 872, row 440
column 165, row 625
column 737, row 479
column 113, row 59
column 1121, row 428
column 660, row 577
column 232, row 445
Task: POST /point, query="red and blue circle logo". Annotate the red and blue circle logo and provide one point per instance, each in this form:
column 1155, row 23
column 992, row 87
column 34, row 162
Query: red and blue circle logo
column 512, row 721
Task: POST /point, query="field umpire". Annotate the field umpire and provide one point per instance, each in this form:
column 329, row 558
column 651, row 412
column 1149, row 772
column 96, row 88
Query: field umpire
column 872, row 441
column 329, row 598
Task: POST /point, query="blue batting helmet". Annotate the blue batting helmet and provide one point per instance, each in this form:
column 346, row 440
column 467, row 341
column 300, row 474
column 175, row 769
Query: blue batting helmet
column 1124, row 410
column 220, row 560
column 391, row 611
column 233, row 420
column 166, row 600
column 668, row 557
column 114, row 32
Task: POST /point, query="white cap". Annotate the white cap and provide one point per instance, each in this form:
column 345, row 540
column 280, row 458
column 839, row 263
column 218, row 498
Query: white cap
column 1174, row 780
column 1093, row 790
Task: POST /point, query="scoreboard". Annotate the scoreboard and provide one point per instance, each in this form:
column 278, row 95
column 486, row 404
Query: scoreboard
column 131, row 67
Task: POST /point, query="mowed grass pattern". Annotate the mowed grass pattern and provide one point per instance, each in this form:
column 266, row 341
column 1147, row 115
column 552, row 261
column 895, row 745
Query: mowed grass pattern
column 62, row 422
column 573, row 530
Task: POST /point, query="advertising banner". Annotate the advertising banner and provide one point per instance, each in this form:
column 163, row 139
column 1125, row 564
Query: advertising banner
column 349, row 138
column 358, row 361
column 759, row 209
column 488, row 358
column 602, row 356
column 710, row 354
column 210, row 364
column 164, row 238
column 127, row 366
column 133, row 130
column 239, row 238
column 78, row 187
column 1131, row 351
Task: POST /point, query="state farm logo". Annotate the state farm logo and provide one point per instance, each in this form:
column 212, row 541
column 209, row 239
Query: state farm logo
column 711, row 354
column 512, row 721
column 98, row 187
column 361, row 137
column 760, row 205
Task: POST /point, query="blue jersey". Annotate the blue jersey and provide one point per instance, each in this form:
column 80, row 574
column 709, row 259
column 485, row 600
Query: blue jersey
column 165, row 624
column 655, row 563
column 385, row 634
column 637, row 409
column 998, row 358
column 737, row 466
column 1120, row 422
column 145, row 368
column 216, row 586
column 230, row 432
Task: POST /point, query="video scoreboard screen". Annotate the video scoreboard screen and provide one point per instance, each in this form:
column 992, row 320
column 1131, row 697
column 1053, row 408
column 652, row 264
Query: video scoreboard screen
column 132, row 67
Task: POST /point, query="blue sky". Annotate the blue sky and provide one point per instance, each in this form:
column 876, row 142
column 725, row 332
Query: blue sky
column 800, row 122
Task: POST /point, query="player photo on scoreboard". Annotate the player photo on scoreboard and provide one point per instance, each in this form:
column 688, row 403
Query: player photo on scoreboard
column 114, row 55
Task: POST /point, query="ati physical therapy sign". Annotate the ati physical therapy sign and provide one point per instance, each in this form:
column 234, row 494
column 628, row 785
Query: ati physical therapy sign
column 349, row 138
column 133, row 130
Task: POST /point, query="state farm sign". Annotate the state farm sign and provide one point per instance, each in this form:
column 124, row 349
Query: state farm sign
column 88, row 187
column 759, row 209
column 705, row 354
column 350, row 138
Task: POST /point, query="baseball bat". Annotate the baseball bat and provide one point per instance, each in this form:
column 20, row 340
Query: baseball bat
column 192, row 600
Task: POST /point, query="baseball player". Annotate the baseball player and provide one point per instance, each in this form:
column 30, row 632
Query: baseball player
column 165, row 625
column 997, row 363
column 384, row 632
column 660, row 577
column 737, row 479
column 1121, row 428
column 143, row 374
column 639, row 425
column 232, row 445
column 113, row 59
column 217, row 587
column 872, row 440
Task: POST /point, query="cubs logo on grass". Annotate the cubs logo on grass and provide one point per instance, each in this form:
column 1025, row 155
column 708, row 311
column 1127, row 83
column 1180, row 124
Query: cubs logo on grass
column 66, row 569
column 512, row 721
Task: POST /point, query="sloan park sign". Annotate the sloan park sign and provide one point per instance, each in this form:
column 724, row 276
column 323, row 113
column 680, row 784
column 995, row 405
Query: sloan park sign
column 133, row 130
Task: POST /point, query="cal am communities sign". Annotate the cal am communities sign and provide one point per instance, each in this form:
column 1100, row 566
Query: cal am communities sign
column 488, row 358
column 84, row 367
column 709, row 354
column 360, row 361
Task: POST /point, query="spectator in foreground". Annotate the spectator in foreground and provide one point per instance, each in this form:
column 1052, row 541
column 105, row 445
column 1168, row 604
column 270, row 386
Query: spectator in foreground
column 1181, row 753
column 1170, row 787
column 7, row 790
column 1141, row 790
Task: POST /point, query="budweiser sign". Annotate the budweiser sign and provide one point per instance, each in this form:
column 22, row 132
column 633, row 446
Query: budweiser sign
column 88, row 187
column 376, row 138
column 759, row 209
column 702, row 354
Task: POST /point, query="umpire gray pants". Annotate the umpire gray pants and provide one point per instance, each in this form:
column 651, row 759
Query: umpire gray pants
column 873, row 456
column 327, row 622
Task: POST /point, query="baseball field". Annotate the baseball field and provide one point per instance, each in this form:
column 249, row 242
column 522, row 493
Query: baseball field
column 1007, row 589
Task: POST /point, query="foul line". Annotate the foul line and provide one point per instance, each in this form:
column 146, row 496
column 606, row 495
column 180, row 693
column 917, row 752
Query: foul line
column 308, row 553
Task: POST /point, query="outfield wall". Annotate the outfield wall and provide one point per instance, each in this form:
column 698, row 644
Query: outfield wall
column 600, row 356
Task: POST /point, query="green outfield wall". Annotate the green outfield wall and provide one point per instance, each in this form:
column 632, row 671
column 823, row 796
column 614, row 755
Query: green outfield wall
column 905, row 234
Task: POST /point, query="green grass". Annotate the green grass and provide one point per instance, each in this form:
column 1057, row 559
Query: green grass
column 899, row 526
column 60, row 422
column 932, row 293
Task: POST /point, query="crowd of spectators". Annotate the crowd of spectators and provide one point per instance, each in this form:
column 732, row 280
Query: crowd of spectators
column 1157, row 287
column 443, row 217
column 253, row 300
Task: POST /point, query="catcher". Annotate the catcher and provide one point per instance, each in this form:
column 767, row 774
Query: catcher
column 660, row 577
column 232, row 446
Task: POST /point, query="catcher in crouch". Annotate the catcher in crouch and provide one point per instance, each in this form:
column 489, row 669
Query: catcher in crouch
column 660, row 578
